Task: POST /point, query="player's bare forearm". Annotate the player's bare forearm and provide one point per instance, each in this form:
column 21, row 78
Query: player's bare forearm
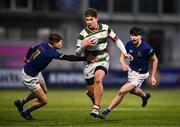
column 154, row 61
column 125, row 66
column 122, row 59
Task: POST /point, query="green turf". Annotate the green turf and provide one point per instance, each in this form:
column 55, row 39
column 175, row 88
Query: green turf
column 72, row 108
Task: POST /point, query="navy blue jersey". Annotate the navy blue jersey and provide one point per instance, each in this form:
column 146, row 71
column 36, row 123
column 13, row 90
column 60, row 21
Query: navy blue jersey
column 41, row 56
column 141, row 55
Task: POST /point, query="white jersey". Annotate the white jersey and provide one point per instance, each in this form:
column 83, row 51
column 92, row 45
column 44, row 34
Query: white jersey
column 100, row 49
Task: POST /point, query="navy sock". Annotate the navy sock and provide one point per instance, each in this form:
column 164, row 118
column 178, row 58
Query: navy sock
column 22, row 102
column 26, row 110
column 144, row 96
column 107, row 111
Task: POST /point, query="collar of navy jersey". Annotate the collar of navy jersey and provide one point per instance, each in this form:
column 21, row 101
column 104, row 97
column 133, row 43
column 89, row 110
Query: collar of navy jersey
column 50, row 45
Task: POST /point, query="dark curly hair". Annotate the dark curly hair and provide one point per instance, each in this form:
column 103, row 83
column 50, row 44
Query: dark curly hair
column 91, row 12
column 54, row 37
column 134, row 31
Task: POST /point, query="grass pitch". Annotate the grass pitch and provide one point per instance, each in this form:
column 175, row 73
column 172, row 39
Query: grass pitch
column 72, row 108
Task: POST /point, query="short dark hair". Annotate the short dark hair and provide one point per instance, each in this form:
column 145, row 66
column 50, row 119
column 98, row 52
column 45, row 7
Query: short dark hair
column 134, row 31
column 91, row 12
column 54, row 37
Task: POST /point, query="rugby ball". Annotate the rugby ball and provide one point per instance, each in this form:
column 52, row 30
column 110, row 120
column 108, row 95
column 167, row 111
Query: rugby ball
column 94, row 39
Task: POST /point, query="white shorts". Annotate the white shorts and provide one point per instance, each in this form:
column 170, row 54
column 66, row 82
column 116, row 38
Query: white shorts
column 90, row 68
column 136, row 78
column 33, row 83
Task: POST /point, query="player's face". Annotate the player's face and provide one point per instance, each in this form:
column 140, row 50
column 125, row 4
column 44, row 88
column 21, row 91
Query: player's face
column 58, row 45
column 91, row 22
column 136, row 39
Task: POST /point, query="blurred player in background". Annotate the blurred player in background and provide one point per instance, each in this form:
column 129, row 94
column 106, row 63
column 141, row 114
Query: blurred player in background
column 37, row 59
column 96, row 35
column 138, row 69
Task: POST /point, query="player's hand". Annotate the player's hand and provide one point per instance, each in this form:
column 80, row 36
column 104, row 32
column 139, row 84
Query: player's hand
column 88, row 42
column 125, row 67
column 153, row 81
column 93, row 40
column 129, row 56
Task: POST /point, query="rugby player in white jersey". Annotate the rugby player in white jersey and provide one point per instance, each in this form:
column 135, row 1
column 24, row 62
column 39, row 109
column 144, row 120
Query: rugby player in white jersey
column 96, row 35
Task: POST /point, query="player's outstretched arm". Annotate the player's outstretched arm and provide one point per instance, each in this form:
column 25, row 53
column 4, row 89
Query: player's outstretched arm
column 72, row 58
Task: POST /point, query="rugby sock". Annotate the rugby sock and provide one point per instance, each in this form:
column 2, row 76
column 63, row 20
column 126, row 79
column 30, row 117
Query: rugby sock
column 26, row 110
column 144, row 95
column 107, row 111
column 22, row 102
column 96, row 107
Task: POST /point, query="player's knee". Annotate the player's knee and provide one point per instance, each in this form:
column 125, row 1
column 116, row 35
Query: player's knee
column 98, row 81
column 122, row 92
column 44, row 101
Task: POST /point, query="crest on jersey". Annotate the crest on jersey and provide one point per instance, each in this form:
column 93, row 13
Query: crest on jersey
column 139, row 54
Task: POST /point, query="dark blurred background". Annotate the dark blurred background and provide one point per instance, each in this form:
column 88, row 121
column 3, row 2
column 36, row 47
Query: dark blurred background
column 24, row 23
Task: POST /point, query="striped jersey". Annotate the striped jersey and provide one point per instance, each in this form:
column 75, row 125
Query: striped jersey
column 100, row 49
